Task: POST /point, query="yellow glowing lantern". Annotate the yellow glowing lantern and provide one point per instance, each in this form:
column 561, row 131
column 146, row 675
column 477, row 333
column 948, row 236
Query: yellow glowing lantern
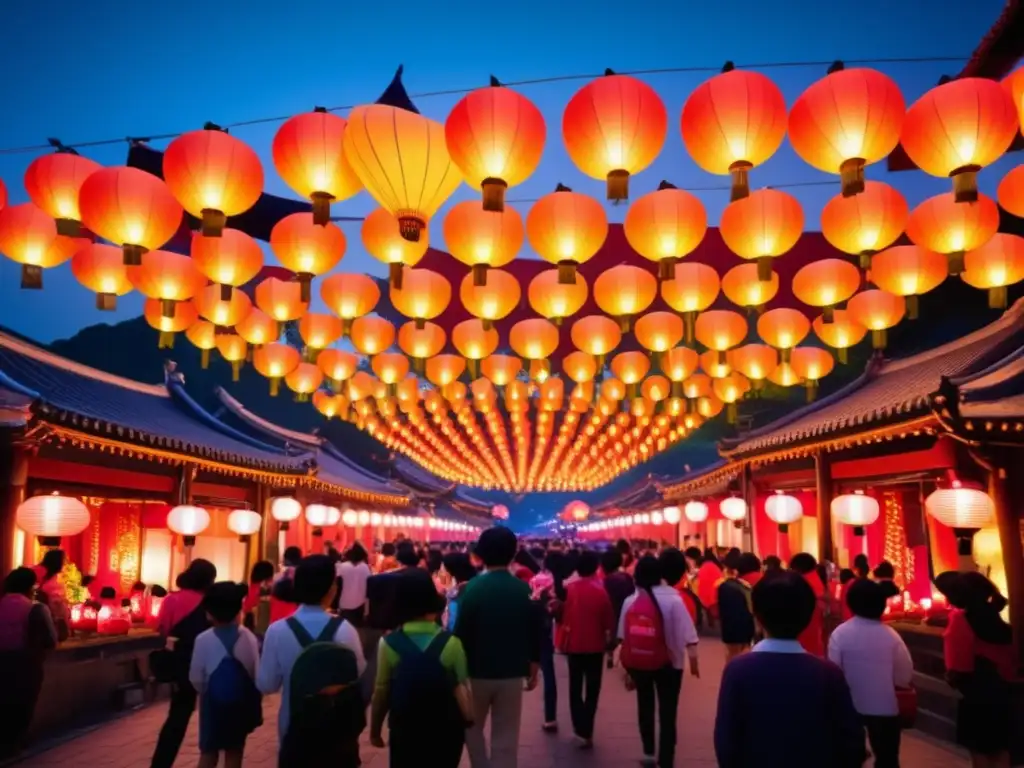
column 715, row 366
column 234, row 349
column 994, row 266
column 203, row 335
column 303, row 380
column 281, row 299
column 679, row 364
column 909, row 271
column 349, row 295
column 720, row 330
column 658, row 331
column 664, row 226
column 624, row 292
column 761, row 227
column 442, row 370
column 613, row 390
column 694, row 289
column 755, row 361
column 421, row 343
column 391, row 368
column 28, row 236
column 783, row 328
column 743, row 287
column 306, row 248
column 501, row 369
column 1011, row 190
column 474, row 342
column 492, row 300
column 483, row 239
column 275, row 361
column 960, row 507
column 257, row 327
column 878, row 311
column 337, row 366
column 98, row 269
column 232, row 259
column 221, row 313
column 841, row 333
column 554, row 299
column 579, row 367
column 566, row 229
column 383, row 240
column 630, row 368
column 655, row 388
column 730, row 390
column 535, row 340
column 811, row 364
column 596, row 335
column 825, row 283
column 866, row 223
column 371, row 335
column 319, row 330
column 402, row 159
column 423, row 296
column 942, row 225
column 330, row 405
column 185, row 313
column 360, row 386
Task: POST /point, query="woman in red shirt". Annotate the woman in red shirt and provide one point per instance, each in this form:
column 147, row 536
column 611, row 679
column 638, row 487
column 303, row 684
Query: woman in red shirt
column 813, row 636
column 708, row 576
column 588, row 619
column 979, row 657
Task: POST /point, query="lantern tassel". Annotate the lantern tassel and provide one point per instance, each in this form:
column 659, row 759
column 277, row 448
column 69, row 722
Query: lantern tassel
column 965, row 184
column 166, row 340
column 494, row 194
column 740, row 172
column 913, row 307
column 236, row 369
column 106, row 302
column 843, row 355
column 997, row 298
column 865, row 260
column 851, row 175
column 667, row 268
column 395, row 275
column 213, row 222
column 321, row 207
column 275, row 386
column 31, row 277
column 132, row 255
column 956, row 262
column 764, row 269
column 689, row 326
column 812, row 390
column 204, row 359
column 879, row 338
column 731, row 413
column 167, row 308
column 828, row 315
column 567, row 272
column 618, row 185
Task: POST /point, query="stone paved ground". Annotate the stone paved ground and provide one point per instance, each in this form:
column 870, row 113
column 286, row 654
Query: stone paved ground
column 128, row 742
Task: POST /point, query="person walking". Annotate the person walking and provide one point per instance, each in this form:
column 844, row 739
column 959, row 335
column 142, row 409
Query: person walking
column 875, row 662
column 545, row 585
column 810, row 721
column 589, row 621
column 499, row 626
column 182, row 620
column 734, row 605
column 354, row 571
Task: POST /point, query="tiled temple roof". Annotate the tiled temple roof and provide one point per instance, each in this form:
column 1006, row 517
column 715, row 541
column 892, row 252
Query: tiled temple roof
column 889, row 392
column 87, row 400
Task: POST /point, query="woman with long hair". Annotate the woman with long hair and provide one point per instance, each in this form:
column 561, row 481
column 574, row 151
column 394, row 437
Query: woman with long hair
column 979, row 657
column 50, row 590
column 708, row 575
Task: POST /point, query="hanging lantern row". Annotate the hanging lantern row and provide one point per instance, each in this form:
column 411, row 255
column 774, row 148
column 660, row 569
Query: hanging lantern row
column 287, row 509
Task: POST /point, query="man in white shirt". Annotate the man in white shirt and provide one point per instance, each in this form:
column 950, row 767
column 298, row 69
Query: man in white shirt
column 875, row 662
column 315, row 587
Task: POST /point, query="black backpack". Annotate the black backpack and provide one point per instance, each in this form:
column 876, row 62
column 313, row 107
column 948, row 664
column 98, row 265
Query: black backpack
column 327, row 712
column 422, row 696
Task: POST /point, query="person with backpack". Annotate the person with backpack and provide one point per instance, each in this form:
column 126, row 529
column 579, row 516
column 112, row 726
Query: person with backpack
column 182, row 620
column 735, row 608
column 316, row 658
column 657, row 636
column 223, row 672
column 422, row 683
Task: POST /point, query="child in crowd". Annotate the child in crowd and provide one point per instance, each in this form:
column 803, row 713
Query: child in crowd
column 256, row 608
column 223, row 671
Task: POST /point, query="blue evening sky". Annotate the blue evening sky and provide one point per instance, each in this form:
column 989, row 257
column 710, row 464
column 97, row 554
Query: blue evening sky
column 88, row 71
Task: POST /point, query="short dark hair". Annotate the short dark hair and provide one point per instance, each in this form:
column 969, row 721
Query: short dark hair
column 673, row 565
column 20, row 581
column 292, row 555
column 356, row 553
column 313, row 579
column 199, row 576
column 866, row 599
column 459, row 566
column 772, row 563
column 611, row 560
column 526, row 560
column 693, row 553
column 803, row 563
column 261, row 571
column 497, row 547
column 587, row 563
column 53, row 562
column 622, row 545
column 647, row 573
column 406, row 554
column 861, row 566
column 784, row 605
column 747, row 563
column 108, row 593
column 845, row 575
column 732, row 560
column 416, row 596
column 884, row 570
column 388, row 550
column 223, row 601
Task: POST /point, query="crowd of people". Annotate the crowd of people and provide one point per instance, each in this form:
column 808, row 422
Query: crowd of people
column 439, row 643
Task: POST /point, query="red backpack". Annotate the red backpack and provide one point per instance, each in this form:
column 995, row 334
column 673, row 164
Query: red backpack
column 643, row 644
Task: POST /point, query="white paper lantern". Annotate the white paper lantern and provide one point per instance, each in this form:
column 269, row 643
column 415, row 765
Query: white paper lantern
column 855, row 509
column 375, row 519
column 244, row 523
column 783, row 509
column 733, row 508
column 672, row 515
column 285, row 509
column 52, row 516
column 188, row 521
column 627, row 520
column 333, row 515
column 317, row 515
column 657, row 518
column 349, row 518
column 696, row 511
column 389, row 521
column 960, row 508
column 364, row 518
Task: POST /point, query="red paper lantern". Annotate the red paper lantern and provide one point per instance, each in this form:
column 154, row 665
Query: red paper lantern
column 53, row 182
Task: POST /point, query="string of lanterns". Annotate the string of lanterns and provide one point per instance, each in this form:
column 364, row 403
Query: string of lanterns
column 497, row 420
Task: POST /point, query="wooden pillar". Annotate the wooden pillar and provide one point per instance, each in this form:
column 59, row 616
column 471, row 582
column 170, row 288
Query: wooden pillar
column 1006, row 486
column 14, row 471
column 823, row 491
column 750, row 497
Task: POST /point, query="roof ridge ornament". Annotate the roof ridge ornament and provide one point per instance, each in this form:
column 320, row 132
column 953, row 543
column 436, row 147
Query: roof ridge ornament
column 395, row 95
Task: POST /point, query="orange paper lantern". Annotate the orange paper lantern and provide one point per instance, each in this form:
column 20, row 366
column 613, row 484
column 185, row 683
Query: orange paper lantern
column 678, row 365
column 614, row 127
column 762, row 226
column 878, row 311
column 383, row 240
column 184, row 315
column 442, row 370
column 307, row 152
column 624, row 291
column 825, row 283
column 994, row 266
column 694, row 289
column 534, row 339
column 421, row 343
column 811, row 364
column 664, row 226
column 213, row 175
column 491, row 301
column 53, row 182
column 306, row 248
column 390, row 367
column 958, row 128
column 566, row 229
column 866, row 223
column 596, row 335
column 231, row 259
column 908, row 271
column 371, row 334
column 501, row 369
column 755, row 361
column 168, row 277
column 423, row 296
column 224, row 314
column 579, row 366
column 234, row 349
column 720, row 330
column 1011, row 191
column 319, row 330
column 337, row 366
column 100, row 268
column 203, row 335
column 281, row 299
column 27, row 237
column 349, row 296
column 658, row 331
column 846, row 120
column 474, row 342
column 743, row 287
column 303, row 380
column 783, row 328
column 496, row 137
column 554, row 299
column 841, row 333
column 483, row 239
column 257, row 327
column 732, row 123
column 130, row 208
column 942, row 225
column 275, row 361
